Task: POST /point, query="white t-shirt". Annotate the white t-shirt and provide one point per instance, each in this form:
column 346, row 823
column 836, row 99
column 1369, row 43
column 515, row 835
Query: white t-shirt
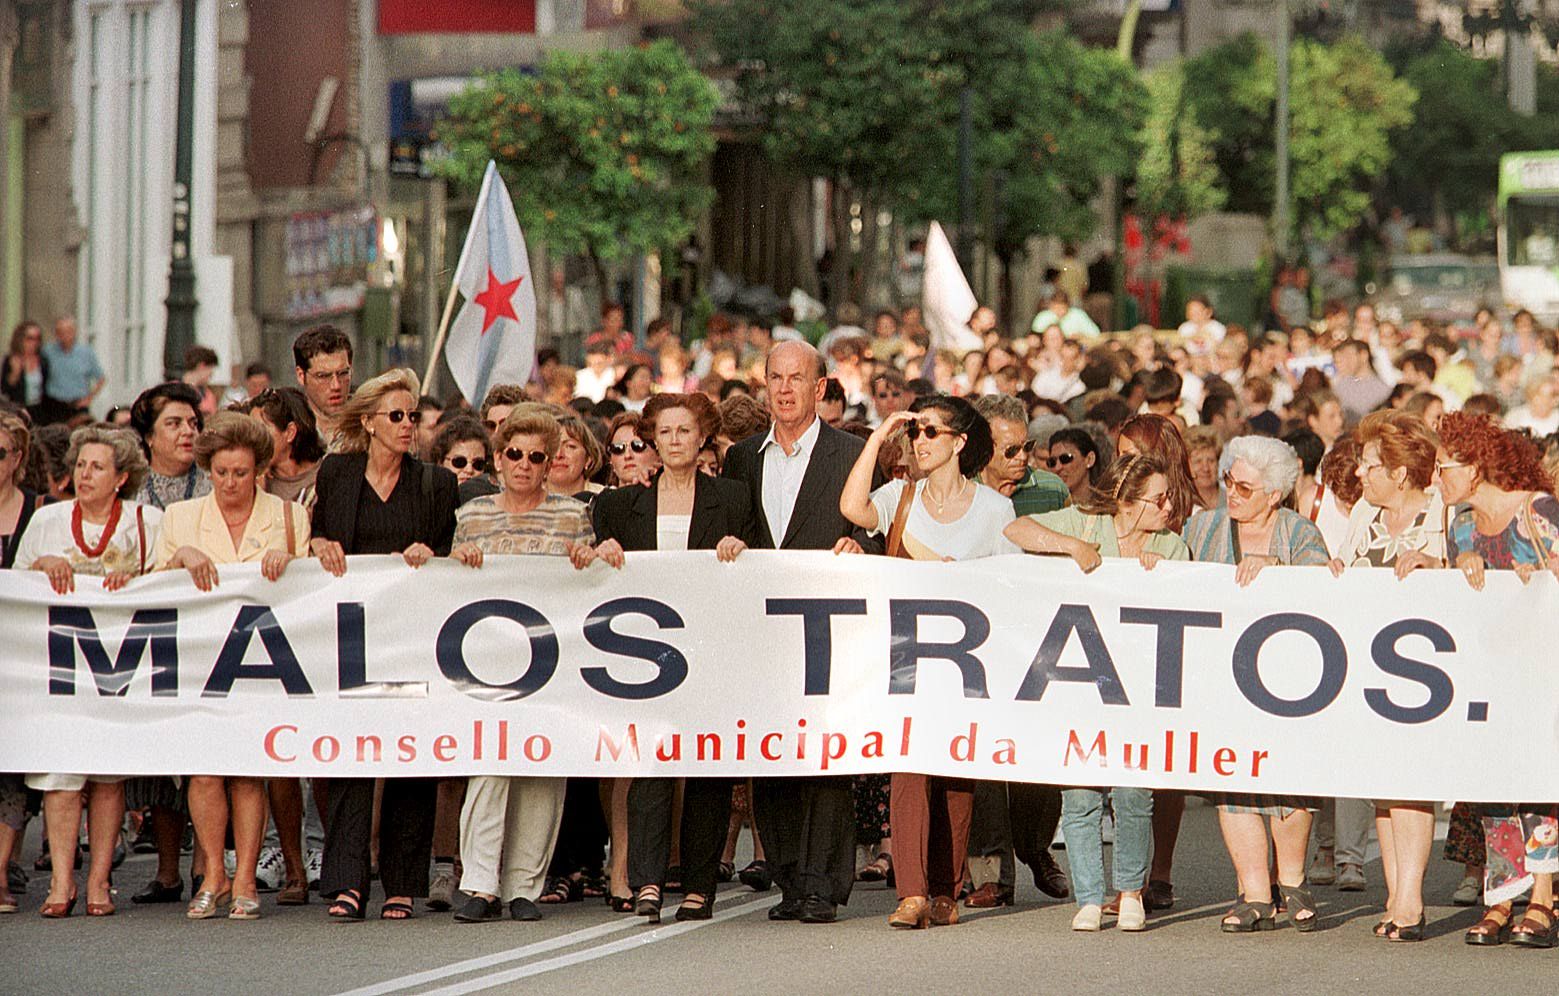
column 671, row 531
column 1522, row 418
column 49, row 535
column 592, row 385
column 977, row 533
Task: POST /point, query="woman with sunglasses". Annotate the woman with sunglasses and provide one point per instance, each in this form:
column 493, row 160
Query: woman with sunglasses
column 1075, row 458
column 1253, row 531
column 1399, row 525
column 946, row 514
column 681, row 509
column 633, row 461
column 1506, row 519
column 509, row 825
column 374, row 497
column 463, row 447
column 1130, row 514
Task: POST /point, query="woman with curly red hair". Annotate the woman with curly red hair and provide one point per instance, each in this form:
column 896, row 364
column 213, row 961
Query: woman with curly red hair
column 1508, row 520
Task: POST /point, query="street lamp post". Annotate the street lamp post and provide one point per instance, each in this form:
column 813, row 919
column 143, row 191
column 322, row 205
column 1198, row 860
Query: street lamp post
column 181, row 299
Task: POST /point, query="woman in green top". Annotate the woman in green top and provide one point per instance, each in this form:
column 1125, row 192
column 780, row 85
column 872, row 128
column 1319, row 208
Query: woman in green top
column 1126, row 515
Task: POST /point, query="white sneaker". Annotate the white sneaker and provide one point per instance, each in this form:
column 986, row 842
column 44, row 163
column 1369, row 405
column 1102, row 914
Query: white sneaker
column 230, row 863
column 271, row 872
column 312, row 867
column 1088, row 918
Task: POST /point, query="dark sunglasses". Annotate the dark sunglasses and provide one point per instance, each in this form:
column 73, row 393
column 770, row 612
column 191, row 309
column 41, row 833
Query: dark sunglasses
column 637, row 445
column 515, row 455
column 399, row 415
column 1016, row 448
column 478, row 464
column 915, row 429
column 1059, row 460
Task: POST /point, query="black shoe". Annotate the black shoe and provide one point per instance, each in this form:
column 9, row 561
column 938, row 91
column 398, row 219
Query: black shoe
column 479, row 910
column 524, row 910
column 756, row 877
column 816, row 909
column 156, row 892
column 16, row 877
column 788, row 909
column 691, row 910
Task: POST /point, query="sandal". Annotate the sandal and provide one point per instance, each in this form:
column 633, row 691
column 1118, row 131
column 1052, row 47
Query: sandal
column 1299, row 901
column 591, row 886
column 725, row 871
column 1493, row 929
column 1530, row 933
column 208, row 904
column 1248, row 918
column 648, row 903
column 244, row 908
column 1383, row 928
column 696, row 906
column 293, row 894
column 620, row 904
column 348, row 905
column 1409, row 931
column 397, row 911
column 877, row 870
column 561, row 890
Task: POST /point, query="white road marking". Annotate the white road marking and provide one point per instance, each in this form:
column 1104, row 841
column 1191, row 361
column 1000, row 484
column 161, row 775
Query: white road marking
column 416, row 979
column 600, row 951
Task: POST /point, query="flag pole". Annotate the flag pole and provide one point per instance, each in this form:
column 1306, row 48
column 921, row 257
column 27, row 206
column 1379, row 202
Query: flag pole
column 438, row 340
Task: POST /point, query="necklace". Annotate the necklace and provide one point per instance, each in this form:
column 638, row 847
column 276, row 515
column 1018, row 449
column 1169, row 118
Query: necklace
column 95, row 551
column 942, row 504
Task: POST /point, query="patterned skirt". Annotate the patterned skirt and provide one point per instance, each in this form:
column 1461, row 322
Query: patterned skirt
column 1266, row 805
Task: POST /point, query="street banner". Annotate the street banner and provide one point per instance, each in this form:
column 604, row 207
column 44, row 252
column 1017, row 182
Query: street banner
column 947, row 302
column 493, row 338
column 790, row 663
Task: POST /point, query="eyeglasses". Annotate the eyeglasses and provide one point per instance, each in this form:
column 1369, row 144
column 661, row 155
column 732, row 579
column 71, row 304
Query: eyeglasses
column 1016, row 448
column 914, row 430
column 331, row 376
column 1162, row 501
column 1059, row 460
column 637, row 445
column 1239, row 489
column 1449, row 465
column 477, row 464
column 515, row 455
column 399, row 415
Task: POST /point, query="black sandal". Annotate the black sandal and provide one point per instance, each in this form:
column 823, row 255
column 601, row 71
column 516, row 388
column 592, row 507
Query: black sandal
column 725, row 871
column 1409, row 931
column 1249, row 918
column 592, row 886
column 620, row 904
column 397, row 911
column 348, row 905
column 1529, row 933
column 648, row 903
column 696, row 906
column 562, row 890
column 1298, row 900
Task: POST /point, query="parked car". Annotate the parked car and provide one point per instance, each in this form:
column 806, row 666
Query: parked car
column 1441, row 287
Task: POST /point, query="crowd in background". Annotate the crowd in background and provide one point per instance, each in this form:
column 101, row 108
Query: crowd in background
column 1350, row 443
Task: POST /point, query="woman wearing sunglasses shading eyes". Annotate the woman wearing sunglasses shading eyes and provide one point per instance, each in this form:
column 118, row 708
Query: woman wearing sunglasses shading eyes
column 945, row 515
column 1075, row 458
column 100, row 533
column 1130, row 514
column 1254, row 531
column 681, row 509
column 509, row 825
column 463, row 447
column 1398, row 525
column 1506, row 519
column 374, row 497
column 633, row 461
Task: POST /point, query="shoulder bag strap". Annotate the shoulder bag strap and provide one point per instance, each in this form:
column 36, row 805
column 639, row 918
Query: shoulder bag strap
column 292, row 531
column 900, row 517
column 140, row 526
column 1538, row 543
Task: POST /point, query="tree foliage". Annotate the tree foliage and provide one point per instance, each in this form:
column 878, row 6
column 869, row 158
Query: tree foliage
column 1177, row 174
column 604, row 153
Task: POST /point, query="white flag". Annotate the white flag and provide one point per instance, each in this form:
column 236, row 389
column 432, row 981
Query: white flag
column 947, row 303
column 493, row 338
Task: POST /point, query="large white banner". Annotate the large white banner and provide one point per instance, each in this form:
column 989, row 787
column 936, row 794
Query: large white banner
column 1016, row 668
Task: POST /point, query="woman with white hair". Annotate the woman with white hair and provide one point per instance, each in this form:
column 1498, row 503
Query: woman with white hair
column 1253, row 531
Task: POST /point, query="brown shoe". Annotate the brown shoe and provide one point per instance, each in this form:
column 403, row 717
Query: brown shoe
column 1050, row 878
column 944, row 911
column 988, row 896
column 293, row 894
column 913, row 914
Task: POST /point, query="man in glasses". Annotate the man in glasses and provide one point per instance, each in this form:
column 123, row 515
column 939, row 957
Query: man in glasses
column 1032, row 491
column 322, row 359
column 795, row 473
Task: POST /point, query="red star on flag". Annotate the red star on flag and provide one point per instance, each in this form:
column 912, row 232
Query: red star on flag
column 497, row 300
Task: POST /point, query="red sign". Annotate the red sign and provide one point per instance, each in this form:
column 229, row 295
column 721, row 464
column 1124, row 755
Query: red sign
column 411, row 17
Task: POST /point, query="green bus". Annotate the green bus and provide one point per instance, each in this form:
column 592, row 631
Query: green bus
column 1529, row 232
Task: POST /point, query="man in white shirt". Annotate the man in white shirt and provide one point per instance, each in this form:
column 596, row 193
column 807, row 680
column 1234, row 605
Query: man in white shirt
column 596, row 377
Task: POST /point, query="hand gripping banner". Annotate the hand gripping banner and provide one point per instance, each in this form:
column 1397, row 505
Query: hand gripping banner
column 1016, row 668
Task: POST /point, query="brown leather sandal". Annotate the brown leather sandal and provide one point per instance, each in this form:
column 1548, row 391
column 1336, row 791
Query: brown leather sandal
column 1531, row 933
column 1493, row 929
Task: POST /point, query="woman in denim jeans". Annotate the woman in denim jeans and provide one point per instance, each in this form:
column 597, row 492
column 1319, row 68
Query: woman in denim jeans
column 1127, row 514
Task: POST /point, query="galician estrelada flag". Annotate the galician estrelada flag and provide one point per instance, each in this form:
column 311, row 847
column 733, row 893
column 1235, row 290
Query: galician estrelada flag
column 493, row 339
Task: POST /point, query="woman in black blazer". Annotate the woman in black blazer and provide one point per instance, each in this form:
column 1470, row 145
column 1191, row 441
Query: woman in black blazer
column 374, row 497
column 681, row 509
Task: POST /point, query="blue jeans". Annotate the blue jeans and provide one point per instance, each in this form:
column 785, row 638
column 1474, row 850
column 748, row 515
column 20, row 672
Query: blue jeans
column 1082, row 819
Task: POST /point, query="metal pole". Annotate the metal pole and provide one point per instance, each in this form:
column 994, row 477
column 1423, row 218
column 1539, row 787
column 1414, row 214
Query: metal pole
column 181, row 300
column 1280, row 219
column 965, row 177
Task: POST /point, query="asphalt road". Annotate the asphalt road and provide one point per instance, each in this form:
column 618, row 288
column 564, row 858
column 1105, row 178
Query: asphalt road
column 583, row 947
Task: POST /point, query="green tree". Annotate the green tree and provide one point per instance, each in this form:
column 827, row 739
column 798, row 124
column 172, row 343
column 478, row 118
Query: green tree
column 604, row 153
column 1177, row 174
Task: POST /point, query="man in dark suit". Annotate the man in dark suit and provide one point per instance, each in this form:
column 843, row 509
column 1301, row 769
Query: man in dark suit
column 795, row 473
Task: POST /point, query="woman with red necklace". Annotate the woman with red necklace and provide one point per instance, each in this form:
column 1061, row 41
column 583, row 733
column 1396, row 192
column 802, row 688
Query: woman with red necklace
column 99, row 534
